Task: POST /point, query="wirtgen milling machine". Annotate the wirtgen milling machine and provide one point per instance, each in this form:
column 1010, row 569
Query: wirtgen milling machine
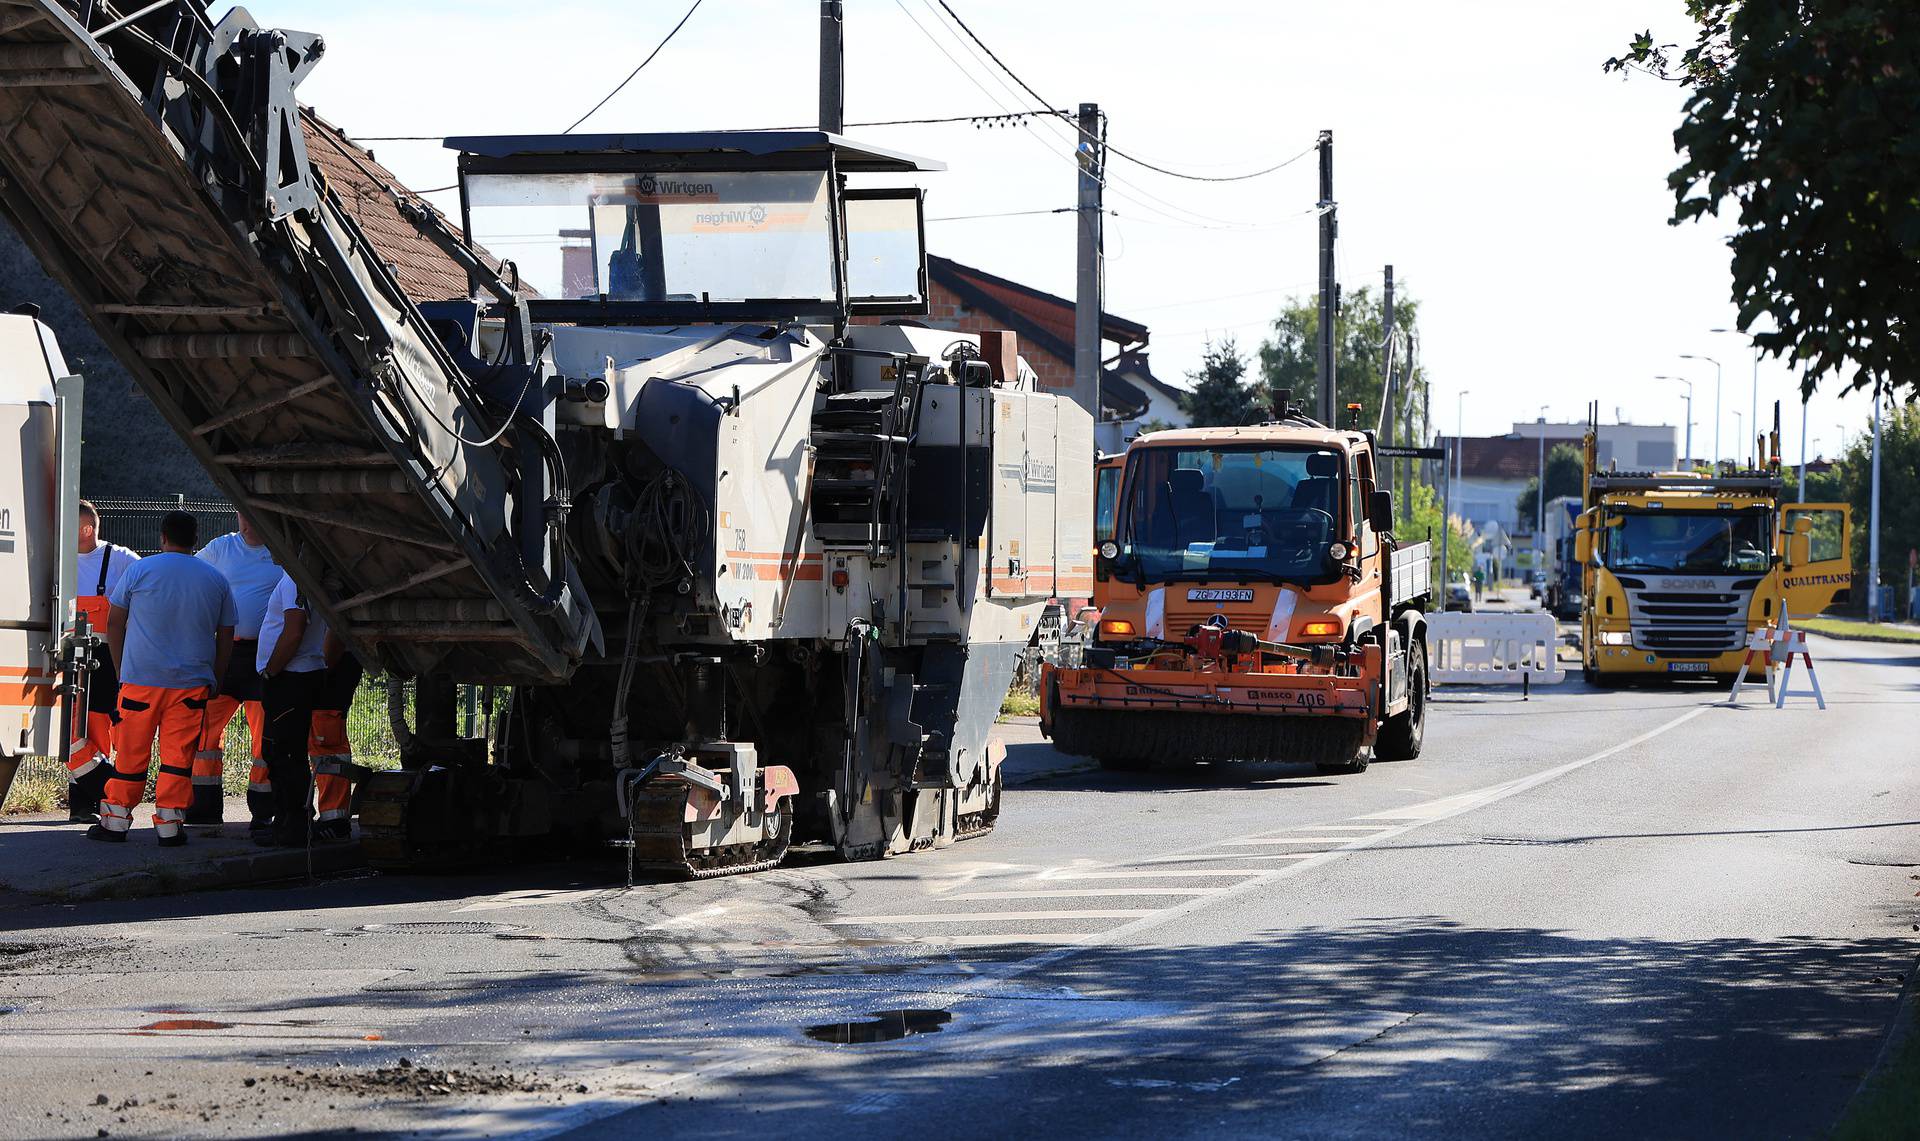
column 745, row 571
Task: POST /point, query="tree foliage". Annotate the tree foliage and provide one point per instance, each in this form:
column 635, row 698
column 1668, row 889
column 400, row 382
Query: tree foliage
column 1288, row 357
column 1416, row 519
column 1805, row 115
column 1564, row 474
column 1221, row 395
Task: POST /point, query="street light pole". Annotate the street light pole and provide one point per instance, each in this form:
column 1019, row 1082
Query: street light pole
column 1803, row 448
column 1756, row 380
column 1739, row 422
column 1540, row 500
column 1687, row 450
column 1446, row 503
column 1716, row 403
column 1873, row 523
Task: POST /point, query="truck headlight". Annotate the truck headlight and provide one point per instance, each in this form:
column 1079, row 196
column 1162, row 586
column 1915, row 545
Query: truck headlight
column 1616, row 638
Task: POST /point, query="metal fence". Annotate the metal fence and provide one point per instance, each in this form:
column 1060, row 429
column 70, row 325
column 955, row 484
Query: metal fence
column 135, row 523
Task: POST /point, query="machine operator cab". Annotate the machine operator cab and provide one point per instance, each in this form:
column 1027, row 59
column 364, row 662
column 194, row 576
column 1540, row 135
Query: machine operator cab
column 685, row 228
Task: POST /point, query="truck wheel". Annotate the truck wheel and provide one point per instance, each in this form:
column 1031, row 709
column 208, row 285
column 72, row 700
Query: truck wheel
column 1355, row 764
column 1401, row 736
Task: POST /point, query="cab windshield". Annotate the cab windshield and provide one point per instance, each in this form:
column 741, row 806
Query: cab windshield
column 1690, row 542
column 1241, row 513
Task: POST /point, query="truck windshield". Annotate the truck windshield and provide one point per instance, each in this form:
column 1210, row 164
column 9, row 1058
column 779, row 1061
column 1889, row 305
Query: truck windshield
column 1690, row 542
column 1231, row 512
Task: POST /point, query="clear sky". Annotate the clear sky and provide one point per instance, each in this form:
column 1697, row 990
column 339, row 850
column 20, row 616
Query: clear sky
column 1519, row 193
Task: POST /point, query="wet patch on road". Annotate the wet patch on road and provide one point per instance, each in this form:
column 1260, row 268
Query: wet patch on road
column 887, row 1026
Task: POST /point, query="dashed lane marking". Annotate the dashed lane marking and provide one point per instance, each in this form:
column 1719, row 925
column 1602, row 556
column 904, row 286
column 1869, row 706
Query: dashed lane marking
column 1293, row 840
column 1231, row 856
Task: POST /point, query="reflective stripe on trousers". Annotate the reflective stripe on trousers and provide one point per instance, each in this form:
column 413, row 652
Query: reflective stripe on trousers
column 333, row 793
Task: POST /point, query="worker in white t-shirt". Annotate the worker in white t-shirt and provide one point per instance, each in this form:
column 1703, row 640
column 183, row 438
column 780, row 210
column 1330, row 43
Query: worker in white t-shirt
column 242, row 556
column 292, row 664
column 170, row 626
column 90, row 747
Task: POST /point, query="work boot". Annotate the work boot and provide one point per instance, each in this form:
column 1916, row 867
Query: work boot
column 83, row 796
column 332, row 832
column 177, row 840
column 106, row 835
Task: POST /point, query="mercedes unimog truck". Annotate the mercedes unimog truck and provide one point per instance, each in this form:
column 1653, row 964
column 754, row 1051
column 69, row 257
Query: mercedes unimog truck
column 1679, row 567
column 1257, row 607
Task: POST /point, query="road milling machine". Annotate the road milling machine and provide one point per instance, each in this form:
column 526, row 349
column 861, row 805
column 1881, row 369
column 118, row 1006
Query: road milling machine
column 1256, row 607
column 733, row 568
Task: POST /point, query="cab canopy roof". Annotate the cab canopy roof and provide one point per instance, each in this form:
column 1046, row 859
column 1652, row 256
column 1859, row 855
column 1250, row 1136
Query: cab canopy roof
column 807, row 150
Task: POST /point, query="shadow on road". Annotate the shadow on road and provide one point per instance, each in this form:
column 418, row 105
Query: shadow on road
column 1396, row 1026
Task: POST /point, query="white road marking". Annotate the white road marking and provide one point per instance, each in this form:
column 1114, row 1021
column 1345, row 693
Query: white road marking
column 529, row 897
column 1117, row 874
column 978, row 916
column 1295, row 840
column 1229, row 856
column 1079, row 892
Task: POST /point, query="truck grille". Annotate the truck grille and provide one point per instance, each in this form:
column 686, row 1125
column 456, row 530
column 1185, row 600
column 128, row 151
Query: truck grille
column 1685, row 623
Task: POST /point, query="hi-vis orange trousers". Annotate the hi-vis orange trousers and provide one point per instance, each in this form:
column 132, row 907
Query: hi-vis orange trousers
column 210, row 761
column 331, row 754
column 178, row 716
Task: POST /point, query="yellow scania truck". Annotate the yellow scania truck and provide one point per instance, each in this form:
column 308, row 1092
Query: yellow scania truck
column 1679, row 567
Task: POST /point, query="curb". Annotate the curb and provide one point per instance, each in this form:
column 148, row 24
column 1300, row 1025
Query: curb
column 1850, row 637
column 1904, row 1016
column 234, row 871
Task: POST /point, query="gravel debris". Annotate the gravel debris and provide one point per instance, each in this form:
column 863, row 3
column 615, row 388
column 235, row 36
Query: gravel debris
column 409, row 1080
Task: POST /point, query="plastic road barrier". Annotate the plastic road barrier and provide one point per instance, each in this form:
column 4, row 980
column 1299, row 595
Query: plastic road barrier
column 1493, row 649
column 1759, row 645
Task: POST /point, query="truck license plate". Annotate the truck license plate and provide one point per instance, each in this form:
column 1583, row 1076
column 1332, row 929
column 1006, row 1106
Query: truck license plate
column 1687, row 667
column 1220, row 594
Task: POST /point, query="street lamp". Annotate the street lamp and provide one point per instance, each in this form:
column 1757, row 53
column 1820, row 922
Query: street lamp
column 1688, row 450
column 1737, row 424
column 1756, row 378
column 1540, row 497
column 1446, row 503
column 1716, row 403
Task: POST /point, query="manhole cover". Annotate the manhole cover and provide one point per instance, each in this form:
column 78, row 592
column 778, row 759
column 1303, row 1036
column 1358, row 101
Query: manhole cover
column 445, row 927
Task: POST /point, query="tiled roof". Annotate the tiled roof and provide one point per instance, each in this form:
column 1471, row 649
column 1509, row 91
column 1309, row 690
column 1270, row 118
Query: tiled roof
column 424, row 271
column 1036, row 315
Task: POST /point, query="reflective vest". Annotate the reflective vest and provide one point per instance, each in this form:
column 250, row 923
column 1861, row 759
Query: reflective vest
column 94, row 605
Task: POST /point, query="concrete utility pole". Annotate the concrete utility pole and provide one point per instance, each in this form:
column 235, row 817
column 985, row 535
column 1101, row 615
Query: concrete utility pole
column 1873, row 521
column 833, row 105
column 1090, row 276
column 1329, row 305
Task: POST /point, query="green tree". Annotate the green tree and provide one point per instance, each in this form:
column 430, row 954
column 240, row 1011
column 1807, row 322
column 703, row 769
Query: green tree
column 1416, row 519
column 1288, row 357
column 1802, row 114
column 1899, row 490
column 1564, row 474
column 1221, row 396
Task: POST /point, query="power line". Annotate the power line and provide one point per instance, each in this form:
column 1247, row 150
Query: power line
column 636, row 71
column 1135, row 159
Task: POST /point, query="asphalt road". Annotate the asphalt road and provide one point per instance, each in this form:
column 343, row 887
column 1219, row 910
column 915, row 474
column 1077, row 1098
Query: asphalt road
column 1592, row 913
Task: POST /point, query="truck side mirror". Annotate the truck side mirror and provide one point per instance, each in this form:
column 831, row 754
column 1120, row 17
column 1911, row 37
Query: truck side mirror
column 1800, row 540
column 1380, row 510
column 1583, row 546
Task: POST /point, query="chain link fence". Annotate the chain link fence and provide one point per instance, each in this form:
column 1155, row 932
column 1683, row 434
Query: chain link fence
column 135, row 523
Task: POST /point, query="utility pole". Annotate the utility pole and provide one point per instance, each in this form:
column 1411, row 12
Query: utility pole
column 1329, row 303
column 833, row 44
column 1089, row 278
column 1873, row 522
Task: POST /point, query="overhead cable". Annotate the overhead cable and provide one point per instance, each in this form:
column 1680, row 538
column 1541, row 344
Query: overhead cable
column 636, row 71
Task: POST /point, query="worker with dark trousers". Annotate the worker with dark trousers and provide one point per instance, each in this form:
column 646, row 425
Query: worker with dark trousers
column 242, row 556
column 170, row 626
column 293, row 665
column 90, row 740
column 329, row 748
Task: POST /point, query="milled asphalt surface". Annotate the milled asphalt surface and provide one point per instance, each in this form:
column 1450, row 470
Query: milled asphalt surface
column 1593, row 913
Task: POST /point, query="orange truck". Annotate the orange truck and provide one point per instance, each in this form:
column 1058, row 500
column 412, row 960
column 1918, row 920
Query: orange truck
column 1255, row 606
